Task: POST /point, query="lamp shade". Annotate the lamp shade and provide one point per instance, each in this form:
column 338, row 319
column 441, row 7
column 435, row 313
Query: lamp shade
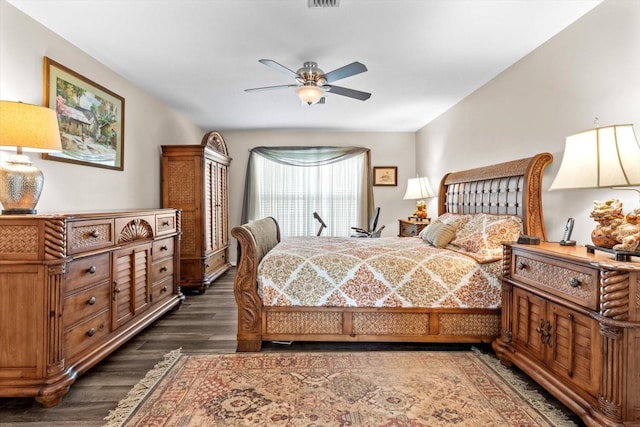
column 30, row 127
column 309, row 94
column 602, row 157
column 418, row 188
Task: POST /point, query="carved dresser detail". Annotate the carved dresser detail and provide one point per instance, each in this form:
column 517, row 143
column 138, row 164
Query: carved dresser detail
column 571, row 321
column 195, row 179
column 75, row 287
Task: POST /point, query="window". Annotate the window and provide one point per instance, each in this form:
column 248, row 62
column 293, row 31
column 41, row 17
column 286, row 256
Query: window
column 291, row 183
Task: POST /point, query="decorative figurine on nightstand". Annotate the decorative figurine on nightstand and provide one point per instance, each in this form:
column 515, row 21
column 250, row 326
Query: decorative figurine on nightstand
column 615, row 230
column 421, row 210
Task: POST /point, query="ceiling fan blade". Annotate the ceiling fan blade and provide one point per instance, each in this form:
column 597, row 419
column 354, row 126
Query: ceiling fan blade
column 278, row 67
column 351, row 93
column 258, row 89
column 346, row 71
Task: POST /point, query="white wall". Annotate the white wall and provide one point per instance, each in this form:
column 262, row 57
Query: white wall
column 148, row 122
column 591, row 69
column 387, row 149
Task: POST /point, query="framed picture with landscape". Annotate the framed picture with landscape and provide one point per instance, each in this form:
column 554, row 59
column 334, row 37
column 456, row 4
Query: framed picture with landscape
column 90, row 117
column 385, row 176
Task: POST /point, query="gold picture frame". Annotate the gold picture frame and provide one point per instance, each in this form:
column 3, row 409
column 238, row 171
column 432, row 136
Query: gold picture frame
column 385, row 176
column 90, row 117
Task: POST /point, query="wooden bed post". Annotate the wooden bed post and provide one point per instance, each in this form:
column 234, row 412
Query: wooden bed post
column 246, row 292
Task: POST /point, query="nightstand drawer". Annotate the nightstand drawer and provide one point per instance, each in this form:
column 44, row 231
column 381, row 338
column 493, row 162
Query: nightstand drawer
column 566, row 280
column 412, row 228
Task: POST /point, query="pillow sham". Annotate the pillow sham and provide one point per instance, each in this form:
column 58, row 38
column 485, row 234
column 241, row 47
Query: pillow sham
column 483, row 235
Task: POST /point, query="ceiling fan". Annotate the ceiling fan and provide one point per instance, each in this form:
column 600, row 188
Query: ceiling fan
column 312, row 82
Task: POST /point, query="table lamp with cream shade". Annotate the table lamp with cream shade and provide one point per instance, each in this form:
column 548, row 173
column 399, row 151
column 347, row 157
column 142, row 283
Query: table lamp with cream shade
column 418, row 188
column 24, row 128
column 603, row 157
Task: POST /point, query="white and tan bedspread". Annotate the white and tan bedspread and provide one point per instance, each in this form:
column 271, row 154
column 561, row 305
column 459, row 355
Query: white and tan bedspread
column 385, row 272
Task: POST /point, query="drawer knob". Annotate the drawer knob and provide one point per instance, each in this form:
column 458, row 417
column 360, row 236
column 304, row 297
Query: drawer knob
column 164, row 289
column 522, row 265
column 163, row 269
column 91, row 332
column 91, row 301
column 165, row 223
column 92, row 269
column 94, row 233
column 574, row 283
column 164, row 248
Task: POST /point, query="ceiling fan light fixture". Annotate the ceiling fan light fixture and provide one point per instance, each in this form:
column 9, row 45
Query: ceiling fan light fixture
column 309, row 94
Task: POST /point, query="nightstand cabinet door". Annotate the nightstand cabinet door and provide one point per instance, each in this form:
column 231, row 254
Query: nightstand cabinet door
column 565, row 341
column 529, row 323
column 574, row 351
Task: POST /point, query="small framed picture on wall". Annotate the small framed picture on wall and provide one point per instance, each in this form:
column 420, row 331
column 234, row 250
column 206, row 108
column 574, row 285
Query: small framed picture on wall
column 386, row 176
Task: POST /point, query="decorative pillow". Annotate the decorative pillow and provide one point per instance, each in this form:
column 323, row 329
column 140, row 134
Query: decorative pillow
column 438, row 234
column 482, row 235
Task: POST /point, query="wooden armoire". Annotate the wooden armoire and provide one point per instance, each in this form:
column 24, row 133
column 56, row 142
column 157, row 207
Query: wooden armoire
column 195, row 179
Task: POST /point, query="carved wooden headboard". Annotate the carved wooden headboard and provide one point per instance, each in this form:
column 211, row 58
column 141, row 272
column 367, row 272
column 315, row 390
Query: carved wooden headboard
column 511, row 188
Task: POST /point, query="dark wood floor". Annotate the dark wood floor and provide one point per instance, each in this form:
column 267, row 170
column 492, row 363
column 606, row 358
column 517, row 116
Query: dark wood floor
column 204, row 323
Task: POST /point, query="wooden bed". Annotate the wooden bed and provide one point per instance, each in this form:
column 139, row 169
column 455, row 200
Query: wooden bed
column 510, row 188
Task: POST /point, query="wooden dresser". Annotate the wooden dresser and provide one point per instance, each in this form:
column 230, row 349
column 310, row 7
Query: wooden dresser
column 74, row 287
column 195, row 179
column 571, row 321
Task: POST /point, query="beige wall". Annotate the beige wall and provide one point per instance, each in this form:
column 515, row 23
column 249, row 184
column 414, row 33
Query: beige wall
column 591, row 69
column 149, row 123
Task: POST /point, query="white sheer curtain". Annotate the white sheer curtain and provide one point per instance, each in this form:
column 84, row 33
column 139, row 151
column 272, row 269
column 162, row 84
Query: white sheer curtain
column 338, row 189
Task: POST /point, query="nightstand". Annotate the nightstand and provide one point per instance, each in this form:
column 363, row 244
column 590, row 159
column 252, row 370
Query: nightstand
column 412, row 227
column 571, row 321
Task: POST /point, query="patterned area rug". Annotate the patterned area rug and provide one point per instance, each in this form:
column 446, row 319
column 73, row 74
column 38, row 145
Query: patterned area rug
column 405, row 388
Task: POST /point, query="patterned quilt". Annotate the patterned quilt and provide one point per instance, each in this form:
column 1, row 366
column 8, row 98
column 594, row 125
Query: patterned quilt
column 385, row 272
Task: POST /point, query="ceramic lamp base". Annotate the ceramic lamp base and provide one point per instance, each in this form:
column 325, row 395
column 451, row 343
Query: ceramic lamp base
column 20, row 185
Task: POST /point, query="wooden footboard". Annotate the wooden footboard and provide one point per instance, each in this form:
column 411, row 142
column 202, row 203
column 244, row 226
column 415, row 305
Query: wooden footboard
column 509, row 188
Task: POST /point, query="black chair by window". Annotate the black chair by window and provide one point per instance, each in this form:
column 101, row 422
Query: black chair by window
column 371, row 232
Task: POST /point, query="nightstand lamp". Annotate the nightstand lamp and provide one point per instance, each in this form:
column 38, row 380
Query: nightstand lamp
column 604, row 157
column 419, row 189
column 24, row 127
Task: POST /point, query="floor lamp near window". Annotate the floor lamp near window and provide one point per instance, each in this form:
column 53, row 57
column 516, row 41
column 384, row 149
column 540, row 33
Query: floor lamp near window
column 24, row 128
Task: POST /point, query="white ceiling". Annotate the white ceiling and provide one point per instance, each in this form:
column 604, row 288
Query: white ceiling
column 198, row 56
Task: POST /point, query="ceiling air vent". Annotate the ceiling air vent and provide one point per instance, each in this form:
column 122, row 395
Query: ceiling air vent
column 324, row 3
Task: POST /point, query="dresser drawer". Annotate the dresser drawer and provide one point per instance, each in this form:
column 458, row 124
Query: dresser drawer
column 162, row 289
column 85, row 304
column 161, row 269
column 572, row 282
column 89, row 235
column 162, row 248
column 166, row 224
column 86, row 334
column 87, row 271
